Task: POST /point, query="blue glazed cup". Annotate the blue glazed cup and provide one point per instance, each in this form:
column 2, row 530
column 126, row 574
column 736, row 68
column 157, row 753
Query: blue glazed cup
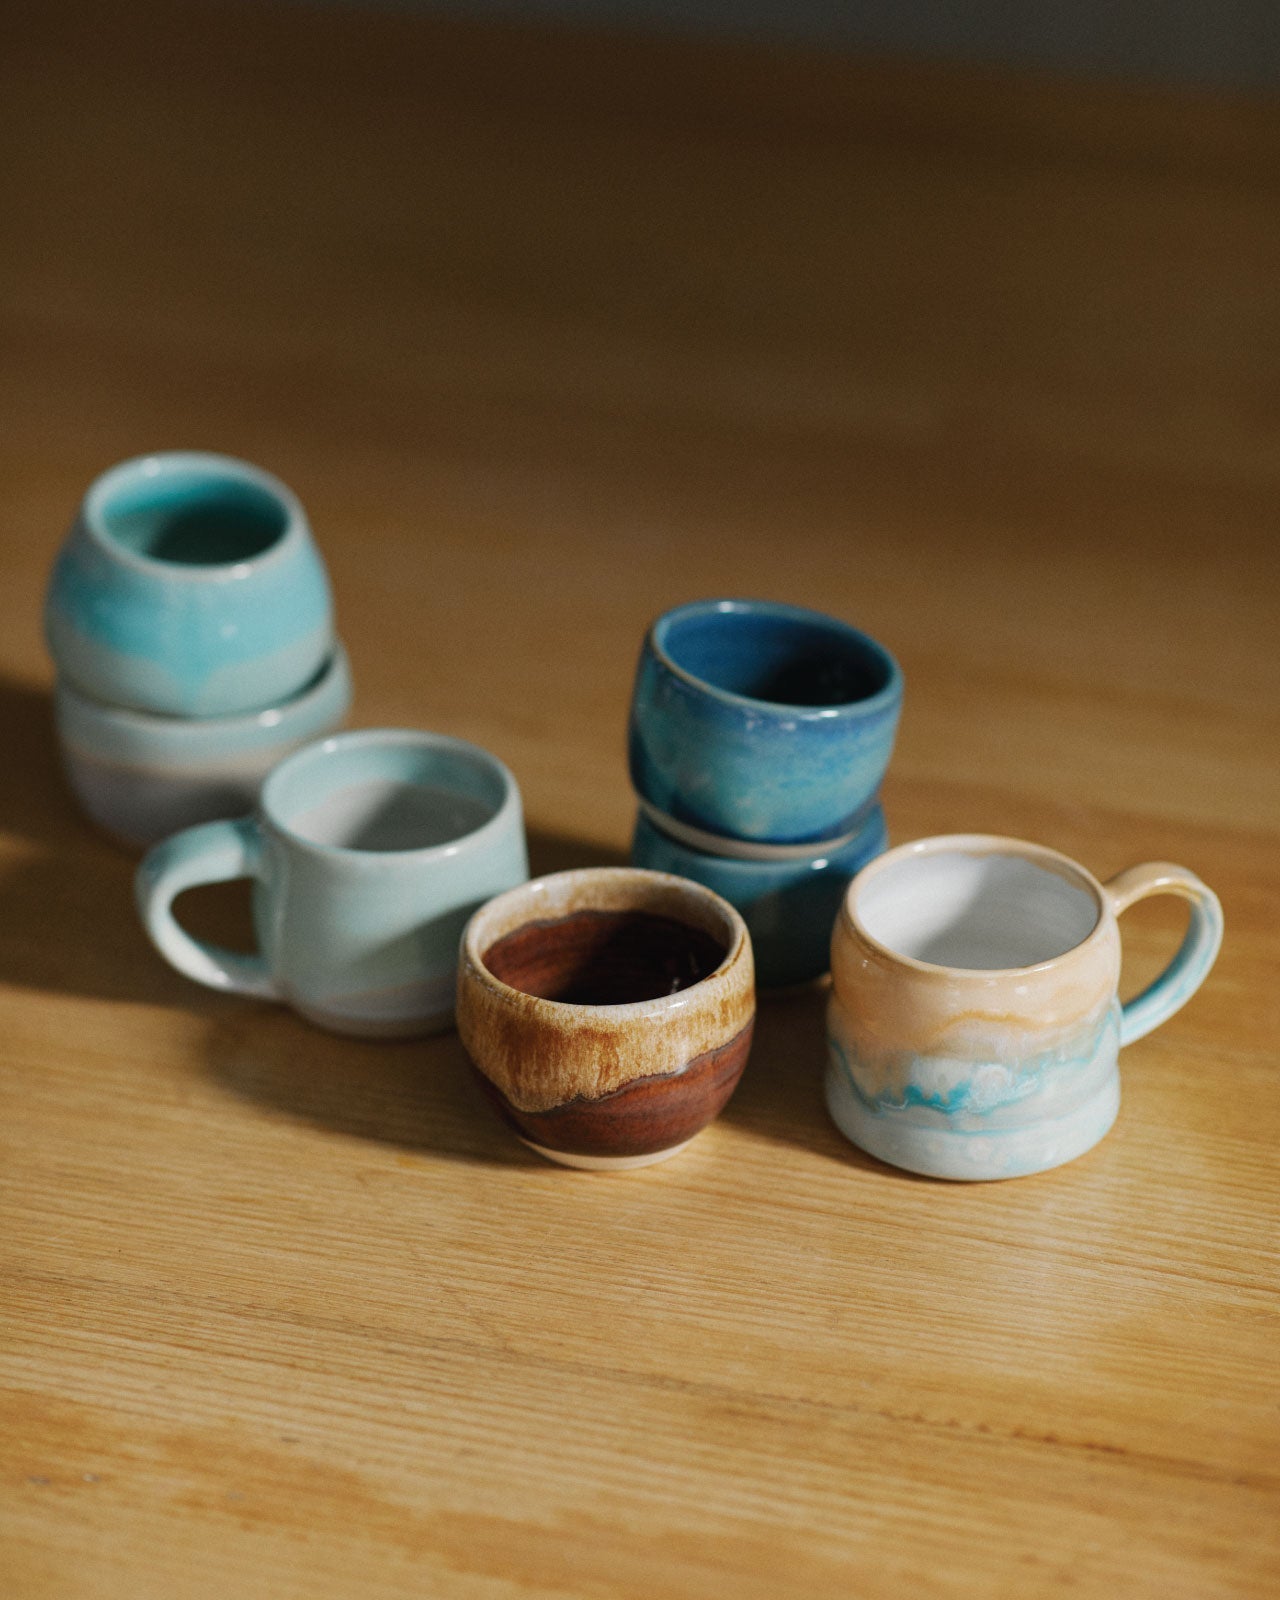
column 368, row 851
column 189, row 586
column 765, row 722
column 789, row 905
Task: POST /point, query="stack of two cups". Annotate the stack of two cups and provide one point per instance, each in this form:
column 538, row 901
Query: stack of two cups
column 759, row 737
column 190, row 618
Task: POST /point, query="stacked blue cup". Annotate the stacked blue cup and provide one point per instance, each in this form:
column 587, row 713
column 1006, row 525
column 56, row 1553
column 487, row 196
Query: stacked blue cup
column 760, row 734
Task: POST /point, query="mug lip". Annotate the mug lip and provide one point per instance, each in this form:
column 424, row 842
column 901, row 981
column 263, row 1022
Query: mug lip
column 158, row 464
column 318, row 750
column 753, row 865
column 632, row 1010
column 991, row 844
column 841, row 710
column 331, row 676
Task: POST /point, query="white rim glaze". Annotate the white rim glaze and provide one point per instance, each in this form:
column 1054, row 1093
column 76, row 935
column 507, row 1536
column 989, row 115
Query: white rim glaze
column 170, row 462
column 494, row 827
column 989, row 844
column 481, row 932
column 718, row 844
column 845, row 709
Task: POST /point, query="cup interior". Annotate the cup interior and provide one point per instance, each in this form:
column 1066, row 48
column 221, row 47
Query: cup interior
column 605, row 937
column 382, row 795
column 190, row 515
column 976, row 910
column 605, row 958
column 777, row 654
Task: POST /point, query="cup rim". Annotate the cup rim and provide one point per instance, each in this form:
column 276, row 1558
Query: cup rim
column 778, row 709
column 730, row 852
column 974, row 844
column 195, row 731
column 508, row 812
column 756, row 865
column 632, row 1010
column 162, row 463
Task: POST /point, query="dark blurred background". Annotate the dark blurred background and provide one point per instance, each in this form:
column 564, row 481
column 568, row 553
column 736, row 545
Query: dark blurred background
column 1211, row 43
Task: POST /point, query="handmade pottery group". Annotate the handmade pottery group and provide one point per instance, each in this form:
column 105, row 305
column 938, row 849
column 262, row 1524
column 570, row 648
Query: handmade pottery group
column 973, row 1022
column 190, row 619
column 759, row 737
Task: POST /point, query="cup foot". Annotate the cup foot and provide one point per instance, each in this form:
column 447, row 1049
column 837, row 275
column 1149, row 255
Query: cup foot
column 969, row 1154
column 566, row 1158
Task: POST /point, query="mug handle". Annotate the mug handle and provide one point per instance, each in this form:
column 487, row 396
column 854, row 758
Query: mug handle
column 214, row 852
column 1189, row 968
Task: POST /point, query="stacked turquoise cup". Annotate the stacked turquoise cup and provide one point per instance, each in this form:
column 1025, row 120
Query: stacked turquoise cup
column 190, row 618
column 759, row 737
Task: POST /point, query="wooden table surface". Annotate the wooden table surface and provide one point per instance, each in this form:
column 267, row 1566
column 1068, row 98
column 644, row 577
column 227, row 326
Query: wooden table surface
column 549, row 334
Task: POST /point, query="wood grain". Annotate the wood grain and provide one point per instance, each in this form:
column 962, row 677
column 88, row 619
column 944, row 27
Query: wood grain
column 550, row 332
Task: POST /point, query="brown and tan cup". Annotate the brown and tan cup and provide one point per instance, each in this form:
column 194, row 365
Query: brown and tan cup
column 608, row 1012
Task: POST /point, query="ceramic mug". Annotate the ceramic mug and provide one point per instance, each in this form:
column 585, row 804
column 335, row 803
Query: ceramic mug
column 974, row 1022
column 788, row 901
column 189, row 586
column 763, row 722
column 141, row 776
column 608, row 1012
column 369, row 851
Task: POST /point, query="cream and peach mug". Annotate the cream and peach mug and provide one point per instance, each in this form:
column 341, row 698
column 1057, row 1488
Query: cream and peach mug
column 974, row 1022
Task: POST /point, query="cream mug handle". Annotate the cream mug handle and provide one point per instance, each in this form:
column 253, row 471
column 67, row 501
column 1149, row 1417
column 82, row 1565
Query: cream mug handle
column 214, row 852
column 1196, row 954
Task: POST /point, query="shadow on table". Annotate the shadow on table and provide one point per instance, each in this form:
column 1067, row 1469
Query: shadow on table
column 67, row 923
column 556, row 852
column 780, row 1096
column 419, row 1095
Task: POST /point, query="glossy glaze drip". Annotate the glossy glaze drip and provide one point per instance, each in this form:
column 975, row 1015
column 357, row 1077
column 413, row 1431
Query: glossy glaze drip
column 604, row 958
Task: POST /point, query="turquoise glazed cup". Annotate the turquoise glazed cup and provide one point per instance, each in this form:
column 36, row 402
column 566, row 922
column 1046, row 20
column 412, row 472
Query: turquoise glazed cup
column 757, row 721
column 368, row 852
column 141, row 777
column 788, row 905
column 189, row 586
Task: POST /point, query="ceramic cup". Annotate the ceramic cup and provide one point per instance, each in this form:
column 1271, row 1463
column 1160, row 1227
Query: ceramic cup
column 788, row 901
column 762, row 722
column 141, row 777
column 189, row 586
column 974, row 1023
column 608, row 1012
column 368, row 852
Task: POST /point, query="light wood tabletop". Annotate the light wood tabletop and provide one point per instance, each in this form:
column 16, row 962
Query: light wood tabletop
column 550, row 333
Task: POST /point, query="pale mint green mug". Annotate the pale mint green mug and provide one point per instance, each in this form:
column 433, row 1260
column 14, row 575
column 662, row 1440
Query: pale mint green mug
column 368, row 852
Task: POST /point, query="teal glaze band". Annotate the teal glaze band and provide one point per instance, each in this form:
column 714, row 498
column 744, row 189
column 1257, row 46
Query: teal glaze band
column 974, row 1097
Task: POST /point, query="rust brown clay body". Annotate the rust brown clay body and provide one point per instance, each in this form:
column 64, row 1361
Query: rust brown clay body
column 625, row 1017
